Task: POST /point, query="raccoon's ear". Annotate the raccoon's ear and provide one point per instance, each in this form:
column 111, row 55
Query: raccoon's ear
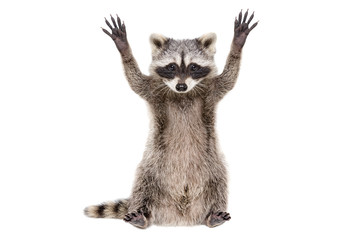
column 157, row 42
column 207, row 42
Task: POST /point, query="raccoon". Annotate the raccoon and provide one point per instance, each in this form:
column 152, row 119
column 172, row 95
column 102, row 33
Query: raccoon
column 182, row 178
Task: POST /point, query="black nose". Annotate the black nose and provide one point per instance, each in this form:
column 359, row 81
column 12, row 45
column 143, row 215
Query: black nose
column 181, row 87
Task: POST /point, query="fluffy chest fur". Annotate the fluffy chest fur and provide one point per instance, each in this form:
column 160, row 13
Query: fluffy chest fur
column 184, row 168
column 185, row 142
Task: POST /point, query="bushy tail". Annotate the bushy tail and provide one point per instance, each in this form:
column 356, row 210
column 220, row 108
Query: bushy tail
column 115, row 209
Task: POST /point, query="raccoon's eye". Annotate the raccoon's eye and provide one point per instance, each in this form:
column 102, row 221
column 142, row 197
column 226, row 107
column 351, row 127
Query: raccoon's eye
column 194, row 67
column 171, row 67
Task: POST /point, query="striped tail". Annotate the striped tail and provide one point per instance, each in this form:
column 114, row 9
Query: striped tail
column 114, row 209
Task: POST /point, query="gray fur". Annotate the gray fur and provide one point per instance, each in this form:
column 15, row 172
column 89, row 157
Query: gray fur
column 182, row 178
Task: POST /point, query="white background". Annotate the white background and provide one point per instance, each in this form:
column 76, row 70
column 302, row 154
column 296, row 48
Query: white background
column 72, row 132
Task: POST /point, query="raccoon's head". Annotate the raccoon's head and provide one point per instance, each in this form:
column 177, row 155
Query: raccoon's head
column 182, row 64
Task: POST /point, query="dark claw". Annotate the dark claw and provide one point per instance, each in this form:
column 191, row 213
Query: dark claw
column 119, row 21
column 227, row 218
column 114, row 22
column 252, row 27
column 240, row 16
column 108, row 33
column 123, row 28
column 108, row 24
column 127, row 218
column 245, row 16
column 251, row 18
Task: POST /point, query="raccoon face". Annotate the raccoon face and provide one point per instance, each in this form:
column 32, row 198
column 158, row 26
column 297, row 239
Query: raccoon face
column 182, row 78
column 182, row 64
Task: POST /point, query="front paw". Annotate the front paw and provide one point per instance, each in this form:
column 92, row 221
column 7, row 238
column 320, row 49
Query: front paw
column 119, row 34
column 241, row 29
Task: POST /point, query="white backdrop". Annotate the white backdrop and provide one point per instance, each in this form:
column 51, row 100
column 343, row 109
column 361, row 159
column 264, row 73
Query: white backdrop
column 72, row 132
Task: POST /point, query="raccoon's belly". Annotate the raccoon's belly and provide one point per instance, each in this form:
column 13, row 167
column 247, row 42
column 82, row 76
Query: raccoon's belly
column 169, row 213
column 183, row 200
column 184, row 172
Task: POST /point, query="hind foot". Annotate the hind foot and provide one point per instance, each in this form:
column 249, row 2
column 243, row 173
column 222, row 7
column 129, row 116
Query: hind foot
column 218, row 218
column 137, row 219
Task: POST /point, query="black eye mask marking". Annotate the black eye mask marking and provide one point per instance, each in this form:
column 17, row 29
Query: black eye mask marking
column 196, row 71
column 169, row 71
column 172, row 70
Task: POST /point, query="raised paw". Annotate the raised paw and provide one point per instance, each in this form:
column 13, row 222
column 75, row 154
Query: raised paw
column 119, row 34
column 241, row 28
column 137, row 219
column 218, row 218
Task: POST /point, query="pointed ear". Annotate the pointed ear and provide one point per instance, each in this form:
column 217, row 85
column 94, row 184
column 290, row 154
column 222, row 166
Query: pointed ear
column 157, row 42
column 208, row 41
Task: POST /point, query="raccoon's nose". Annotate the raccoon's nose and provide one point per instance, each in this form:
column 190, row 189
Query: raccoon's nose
column 181, row 87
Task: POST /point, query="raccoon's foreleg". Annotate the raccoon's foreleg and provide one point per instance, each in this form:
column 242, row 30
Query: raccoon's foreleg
column 226, row 80
column 138, row 81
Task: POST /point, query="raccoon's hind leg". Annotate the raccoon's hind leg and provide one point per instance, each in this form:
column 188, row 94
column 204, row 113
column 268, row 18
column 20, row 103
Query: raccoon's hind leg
column 137, row 219
column 145, row 194
column 216, row 195
column 115, row 209
column 216, row 219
